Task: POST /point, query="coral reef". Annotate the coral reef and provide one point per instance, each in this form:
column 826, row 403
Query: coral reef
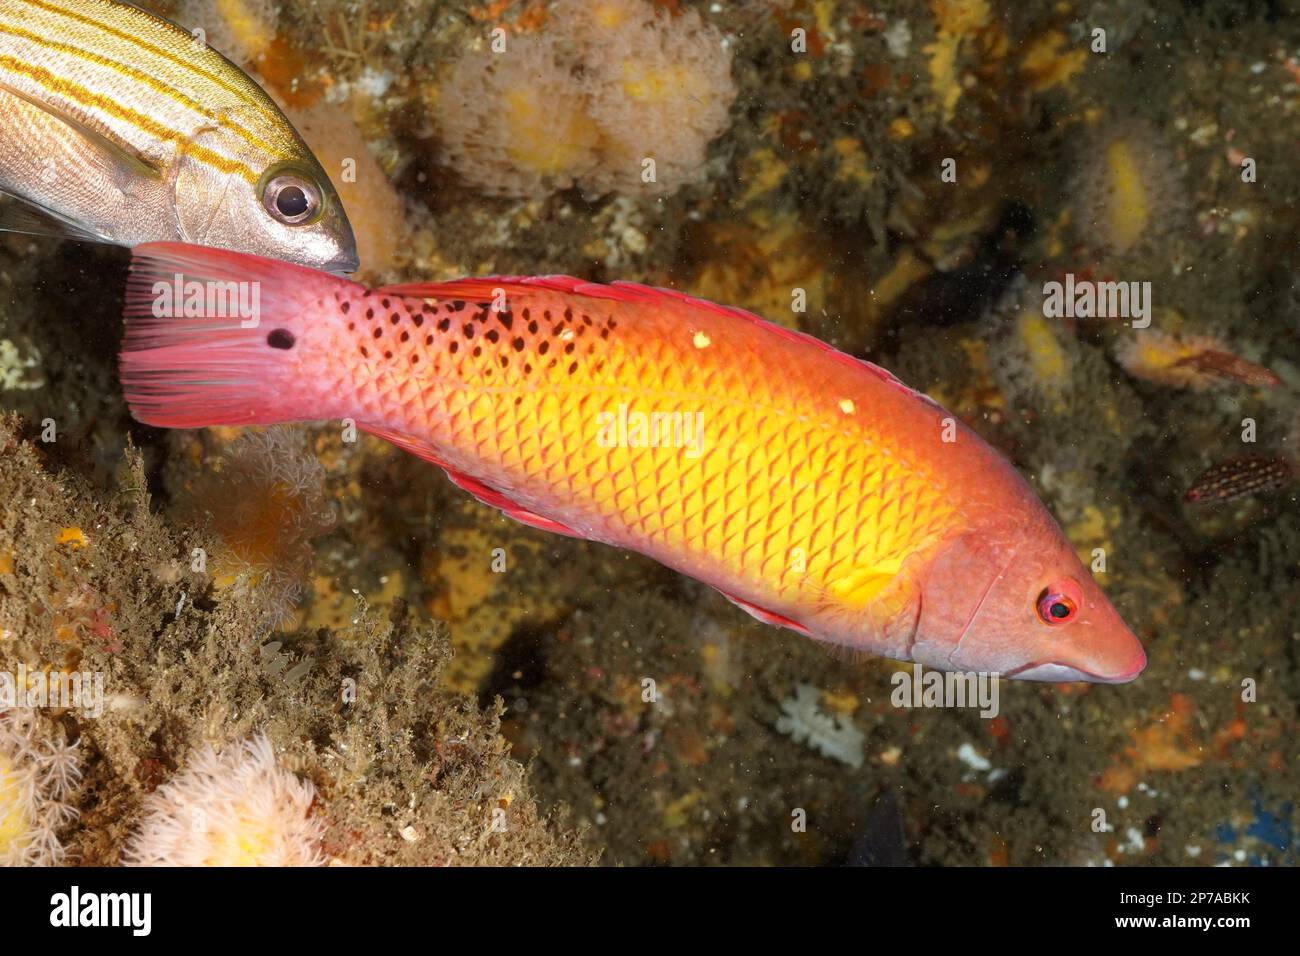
column 234, row 809
column 38, row 773
column 615, row 97
column 831, row 736
column 264, row 501
column 402, row 770
column 1126, row 189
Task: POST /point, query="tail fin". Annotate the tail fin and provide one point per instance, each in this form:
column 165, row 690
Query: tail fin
column 206, row 332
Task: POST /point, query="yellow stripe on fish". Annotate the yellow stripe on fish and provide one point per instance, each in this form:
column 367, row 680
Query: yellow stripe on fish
column 85, row 98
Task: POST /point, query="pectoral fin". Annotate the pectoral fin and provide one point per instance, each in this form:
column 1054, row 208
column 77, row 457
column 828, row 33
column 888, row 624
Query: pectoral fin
column 19, row 215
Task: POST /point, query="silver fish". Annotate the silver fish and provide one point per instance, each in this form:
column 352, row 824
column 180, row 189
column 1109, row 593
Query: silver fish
column 118, row 126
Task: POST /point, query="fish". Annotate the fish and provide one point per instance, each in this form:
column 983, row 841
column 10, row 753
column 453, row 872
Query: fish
column 1239, row 477
column 120, row 127
column 814, row 490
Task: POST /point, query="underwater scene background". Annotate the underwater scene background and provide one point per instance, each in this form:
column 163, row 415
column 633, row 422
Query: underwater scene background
column 327, row 652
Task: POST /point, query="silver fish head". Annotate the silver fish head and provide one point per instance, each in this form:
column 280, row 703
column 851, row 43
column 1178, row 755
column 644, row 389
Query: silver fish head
column 277, row 203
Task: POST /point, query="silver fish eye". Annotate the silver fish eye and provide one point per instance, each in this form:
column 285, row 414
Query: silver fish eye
column 292, row 200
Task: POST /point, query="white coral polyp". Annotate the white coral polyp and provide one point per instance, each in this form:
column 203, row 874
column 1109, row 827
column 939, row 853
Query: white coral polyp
column 37, row 773
column 234, row 809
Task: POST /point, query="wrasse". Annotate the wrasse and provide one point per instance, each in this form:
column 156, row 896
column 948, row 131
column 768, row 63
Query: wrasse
column 117, row 126
column 1241, row 476
column 814, row 490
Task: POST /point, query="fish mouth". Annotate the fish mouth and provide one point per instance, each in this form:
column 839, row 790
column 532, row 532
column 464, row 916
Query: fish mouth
column 343, row 265
column 1056, row 673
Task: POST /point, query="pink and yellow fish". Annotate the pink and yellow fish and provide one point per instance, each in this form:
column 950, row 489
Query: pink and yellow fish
column 814, row 490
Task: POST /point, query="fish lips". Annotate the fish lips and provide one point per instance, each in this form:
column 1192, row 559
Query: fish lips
column 344, row 264
column 1057, row 673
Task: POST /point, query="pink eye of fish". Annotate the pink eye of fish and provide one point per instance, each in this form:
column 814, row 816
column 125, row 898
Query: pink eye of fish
column 291, row 200
column 1059, row 603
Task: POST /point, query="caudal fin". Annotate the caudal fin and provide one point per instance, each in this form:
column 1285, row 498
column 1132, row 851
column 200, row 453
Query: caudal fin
column 209, row 335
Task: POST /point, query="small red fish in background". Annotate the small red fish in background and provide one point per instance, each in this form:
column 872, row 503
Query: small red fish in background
column 1241, row 476
column 1234, row 368
column 814, row 490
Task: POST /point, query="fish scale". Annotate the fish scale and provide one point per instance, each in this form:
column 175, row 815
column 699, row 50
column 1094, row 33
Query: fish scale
column 530, row 435
column 823, row 496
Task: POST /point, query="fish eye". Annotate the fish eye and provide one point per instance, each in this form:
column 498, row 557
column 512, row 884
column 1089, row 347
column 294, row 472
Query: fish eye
column 292, row 200
column 1058, row 603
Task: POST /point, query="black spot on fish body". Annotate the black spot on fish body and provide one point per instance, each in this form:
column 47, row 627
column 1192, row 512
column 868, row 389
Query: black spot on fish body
column 280, row 339
column 506, row 318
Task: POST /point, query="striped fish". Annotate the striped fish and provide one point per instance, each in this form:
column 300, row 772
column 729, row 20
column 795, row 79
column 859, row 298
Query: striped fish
column 118, row 126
